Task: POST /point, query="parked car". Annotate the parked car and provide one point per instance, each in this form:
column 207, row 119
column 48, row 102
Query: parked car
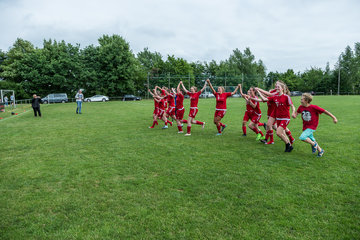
column 131, row 98
column 236, row 95
column 207, row 95
column 55, row 98
column 296, row 93
column 97, row 98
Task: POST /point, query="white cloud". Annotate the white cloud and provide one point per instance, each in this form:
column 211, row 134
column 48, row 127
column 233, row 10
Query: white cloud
column 284, row 34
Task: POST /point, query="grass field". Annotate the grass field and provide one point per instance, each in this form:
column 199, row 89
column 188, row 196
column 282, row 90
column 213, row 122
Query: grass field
column 105, row 175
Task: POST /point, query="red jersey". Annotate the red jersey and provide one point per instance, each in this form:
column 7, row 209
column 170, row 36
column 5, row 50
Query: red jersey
column 221, row 99
column 271, row 104
column 194, row 98
column 156, row 103
column 283, row 103
column 310, row 116
column 162, row 104
column 170, row 99
column 179, row 101
column 257, row 106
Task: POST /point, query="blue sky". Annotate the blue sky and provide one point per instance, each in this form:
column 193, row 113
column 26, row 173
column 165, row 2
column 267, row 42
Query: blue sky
column 283, row 34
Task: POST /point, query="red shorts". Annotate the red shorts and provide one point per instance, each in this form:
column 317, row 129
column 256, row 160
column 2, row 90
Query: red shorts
column 283, row 122
column 180, row 113
column 193, row 112
column 171, row 111
column 255, row 118
column 247, row 116
column 161, row 113
column 220, row 113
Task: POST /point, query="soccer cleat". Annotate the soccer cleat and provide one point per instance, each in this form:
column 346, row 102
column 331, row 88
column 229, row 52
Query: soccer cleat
column 258, row 136
column 203, row 125
column 313, row 148
column 265, row 126
column 290, row 148
column 187, row 134
column 165, row 127
column 218, row 134
column 321, row 153
column 244, row 135
column 291, row 142
column 180, row 131
column 263, row 141
column 223, row 128
column 271, row 142
column 262, row 138
column 151, row 127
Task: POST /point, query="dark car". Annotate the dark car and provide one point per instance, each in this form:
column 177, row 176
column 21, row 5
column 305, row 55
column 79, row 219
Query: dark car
column 131, row 98
column 296, row 93
column 55, row 98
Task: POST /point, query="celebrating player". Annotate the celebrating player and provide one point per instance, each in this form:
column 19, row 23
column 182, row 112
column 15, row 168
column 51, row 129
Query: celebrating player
column 283, row 103
column 252, row 113
column 221, row 97
column 310, row 116
column 179, row 109
column 194, row 99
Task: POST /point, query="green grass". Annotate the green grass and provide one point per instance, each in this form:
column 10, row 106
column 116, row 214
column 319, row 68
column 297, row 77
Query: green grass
column 105, row 175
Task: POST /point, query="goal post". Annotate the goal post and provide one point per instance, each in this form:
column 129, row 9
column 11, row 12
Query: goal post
column 8, row 96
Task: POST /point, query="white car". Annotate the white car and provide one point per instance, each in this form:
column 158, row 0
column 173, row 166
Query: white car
column 207, row 95
column 97, row 98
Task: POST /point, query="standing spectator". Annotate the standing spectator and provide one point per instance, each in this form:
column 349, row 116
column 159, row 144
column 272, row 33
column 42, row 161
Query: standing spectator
column 6, row 100
column 79, row 99
column 35, row 103
column 12, row 100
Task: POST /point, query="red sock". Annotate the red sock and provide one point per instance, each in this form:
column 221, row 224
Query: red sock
column 244, row 129
column 221, row 124
column 166, row 123
column 261, row 133
column 184, row 121
column 188, row 129
column 169, row 122
column 260, row 124
column 271, row 134
column 154, row 122
column 267, row 135
column 255, row 130
column 218, row 128
column 180, row 128
column 289, row 135
column 199, row 123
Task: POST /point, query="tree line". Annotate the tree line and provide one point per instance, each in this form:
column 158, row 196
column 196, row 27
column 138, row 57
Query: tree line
column 112, row 69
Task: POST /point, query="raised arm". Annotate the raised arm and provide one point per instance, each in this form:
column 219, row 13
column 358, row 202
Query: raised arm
column 237, row 87
column 178, row 87
column 210, row 85
column 204, row 87
column 261, row 96
column 264, row 92
column 331, row 115
column 183, row 87
column 173, row 90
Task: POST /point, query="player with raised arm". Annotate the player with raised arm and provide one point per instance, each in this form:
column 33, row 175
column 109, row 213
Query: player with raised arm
column 283, row 103
column 156, row 110
column 220, row 108
column 252, row 113
column 194, row 99
column 310, row 116
column 179, row 108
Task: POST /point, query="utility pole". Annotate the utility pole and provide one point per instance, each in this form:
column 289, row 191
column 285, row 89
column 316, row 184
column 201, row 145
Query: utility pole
column 339, row 78
column 242, row 77
column 189, row 82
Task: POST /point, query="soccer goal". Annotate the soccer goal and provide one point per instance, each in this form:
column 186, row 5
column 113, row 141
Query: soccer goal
column 7, row 98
